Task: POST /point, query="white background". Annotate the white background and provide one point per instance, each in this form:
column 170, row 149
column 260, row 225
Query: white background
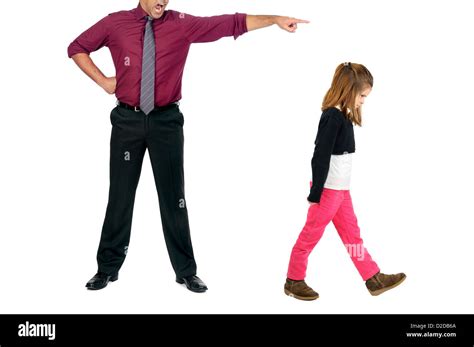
column 252, row 108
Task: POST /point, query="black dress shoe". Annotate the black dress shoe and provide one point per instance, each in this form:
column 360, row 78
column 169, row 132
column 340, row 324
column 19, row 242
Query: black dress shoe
column 193, row 283
column 100, row 281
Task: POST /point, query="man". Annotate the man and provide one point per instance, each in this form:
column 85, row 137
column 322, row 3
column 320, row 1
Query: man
column 149, row 46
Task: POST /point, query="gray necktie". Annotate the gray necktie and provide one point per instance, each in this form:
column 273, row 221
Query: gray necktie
column 147, row 90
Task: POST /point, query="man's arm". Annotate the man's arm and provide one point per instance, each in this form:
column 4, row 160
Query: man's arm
column 84, row 61
column 286, row 23
column 208, row 29
column 90, row 41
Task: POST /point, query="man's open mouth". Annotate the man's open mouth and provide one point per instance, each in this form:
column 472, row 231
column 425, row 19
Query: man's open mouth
column 159, row 8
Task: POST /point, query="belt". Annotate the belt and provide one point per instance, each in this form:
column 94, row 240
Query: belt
column 137, row 108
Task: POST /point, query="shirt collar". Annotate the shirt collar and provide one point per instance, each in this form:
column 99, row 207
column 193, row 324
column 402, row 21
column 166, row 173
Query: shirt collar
column 139, row 12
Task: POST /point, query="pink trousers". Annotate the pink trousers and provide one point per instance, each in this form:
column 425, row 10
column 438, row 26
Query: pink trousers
column 335, row 206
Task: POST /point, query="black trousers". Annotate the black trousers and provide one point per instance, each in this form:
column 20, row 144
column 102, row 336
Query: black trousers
column 132, row 133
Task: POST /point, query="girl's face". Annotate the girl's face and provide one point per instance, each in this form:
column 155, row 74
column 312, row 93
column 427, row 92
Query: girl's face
column 360, row 98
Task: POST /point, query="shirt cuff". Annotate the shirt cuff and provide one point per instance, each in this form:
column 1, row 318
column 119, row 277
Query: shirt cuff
column 75, row 48
column 240, row 25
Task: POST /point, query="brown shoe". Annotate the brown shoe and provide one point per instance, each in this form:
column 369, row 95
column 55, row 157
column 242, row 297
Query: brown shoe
column 381, row 282
column 300, row 290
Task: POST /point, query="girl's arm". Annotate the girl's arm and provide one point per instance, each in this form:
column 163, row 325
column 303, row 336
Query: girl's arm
column 328, row 129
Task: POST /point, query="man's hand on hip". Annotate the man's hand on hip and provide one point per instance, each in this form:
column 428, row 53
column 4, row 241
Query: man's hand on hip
column 109, row 84
column 90, row 69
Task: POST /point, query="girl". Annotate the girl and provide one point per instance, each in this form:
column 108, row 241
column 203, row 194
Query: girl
column 330, row 199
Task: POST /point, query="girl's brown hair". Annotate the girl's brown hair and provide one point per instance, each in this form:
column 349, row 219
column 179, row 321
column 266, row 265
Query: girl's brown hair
column 349, row 80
